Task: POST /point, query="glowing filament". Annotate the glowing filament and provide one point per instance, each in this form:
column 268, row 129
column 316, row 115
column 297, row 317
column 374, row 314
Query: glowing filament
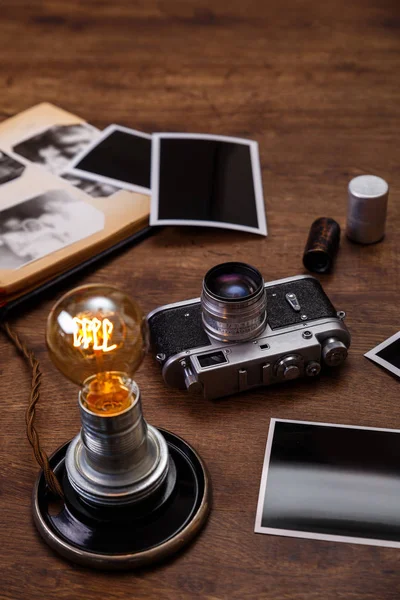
column 93, row 333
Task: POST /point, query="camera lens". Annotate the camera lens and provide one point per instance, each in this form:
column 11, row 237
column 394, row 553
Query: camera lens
column 232, row 285
column 233, row 302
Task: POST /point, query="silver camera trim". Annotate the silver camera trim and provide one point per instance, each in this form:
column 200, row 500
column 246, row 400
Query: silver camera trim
column 239, row 355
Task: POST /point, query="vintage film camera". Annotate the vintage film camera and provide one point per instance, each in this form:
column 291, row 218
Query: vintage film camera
column 243, row 333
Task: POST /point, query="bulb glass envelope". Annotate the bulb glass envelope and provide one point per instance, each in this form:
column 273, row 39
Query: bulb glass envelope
column 96, row 329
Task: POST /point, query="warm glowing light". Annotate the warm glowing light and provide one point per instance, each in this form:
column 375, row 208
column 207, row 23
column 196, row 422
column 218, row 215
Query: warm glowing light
column 95, row 333
column 107, row 394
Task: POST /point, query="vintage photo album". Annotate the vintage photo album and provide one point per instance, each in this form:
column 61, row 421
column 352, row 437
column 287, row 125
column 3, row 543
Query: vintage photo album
column 70, row 193
column 50, row 219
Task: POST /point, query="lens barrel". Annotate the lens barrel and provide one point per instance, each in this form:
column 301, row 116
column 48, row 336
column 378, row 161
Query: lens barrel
column 234, row 302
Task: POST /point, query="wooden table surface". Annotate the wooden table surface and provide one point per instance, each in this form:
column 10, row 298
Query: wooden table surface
column 317, row 85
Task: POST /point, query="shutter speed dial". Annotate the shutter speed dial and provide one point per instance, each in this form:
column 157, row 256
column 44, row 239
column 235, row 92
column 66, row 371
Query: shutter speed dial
column 290, row 367
column 291, row 372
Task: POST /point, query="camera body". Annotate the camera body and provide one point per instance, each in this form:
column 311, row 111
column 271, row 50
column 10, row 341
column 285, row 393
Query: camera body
column 301, row 333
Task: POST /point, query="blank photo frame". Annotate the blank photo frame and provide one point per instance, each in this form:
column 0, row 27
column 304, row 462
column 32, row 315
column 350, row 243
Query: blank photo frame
column 387, row 354
column 331, row 482
column 119, row 157
column 207, row 180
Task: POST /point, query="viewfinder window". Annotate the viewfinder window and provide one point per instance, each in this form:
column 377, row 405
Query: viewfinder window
column 211, row 359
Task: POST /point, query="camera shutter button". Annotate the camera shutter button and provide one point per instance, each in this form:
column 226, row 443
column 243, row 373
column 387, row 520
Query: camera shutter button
column 291, row 372
column 289, row 367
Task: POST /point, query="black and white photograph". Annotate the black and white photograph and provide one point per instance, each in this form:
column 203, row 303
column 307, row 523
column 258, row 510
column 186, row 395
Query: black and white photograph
column 207, row 180
column 10, row 168
column 96, row 189
column 331, row 482
column 387, row 354
column 120, row 157
column 44, row 224
column 55, row 147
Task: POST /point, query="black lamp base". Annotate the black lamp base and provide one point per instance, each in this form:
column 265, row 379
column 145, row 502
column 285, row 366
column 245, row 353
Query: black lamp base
column 126, row 538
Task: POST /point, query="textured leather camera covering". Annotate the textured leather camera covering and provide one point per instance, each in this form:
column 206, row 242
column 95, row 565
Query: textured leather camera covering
column 312, row 299
column 173, row 332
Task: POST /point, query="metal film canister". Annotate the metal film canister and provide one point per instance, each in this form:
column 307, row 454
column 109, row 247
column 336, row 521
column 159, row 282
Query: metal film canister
column 367, row 207
column 322, row 245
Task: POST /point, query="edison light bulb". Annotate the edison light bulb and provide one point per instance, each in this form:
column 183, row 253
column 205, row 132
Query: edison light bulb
column 130, row 494
column 96, row 336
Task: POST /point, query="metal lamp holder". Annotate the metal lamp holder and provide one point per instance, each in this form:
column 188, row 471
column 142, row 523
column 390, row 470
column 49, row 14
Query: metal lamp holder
column 133, row 494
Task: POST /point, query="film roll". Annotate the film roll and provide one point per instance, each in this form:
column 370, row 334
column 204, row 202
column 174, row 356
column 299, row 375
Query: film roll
column 367, row 208
column 322, row 245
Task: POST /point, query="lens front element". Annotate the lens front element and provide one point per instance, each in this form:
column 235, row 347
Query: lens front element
column 232, row 285
column 233, row 302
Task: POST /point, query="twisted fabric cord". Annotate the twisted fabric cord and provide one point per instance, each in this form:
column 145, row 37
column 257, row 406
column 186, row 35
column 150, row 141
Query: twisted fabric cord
column 34, row 396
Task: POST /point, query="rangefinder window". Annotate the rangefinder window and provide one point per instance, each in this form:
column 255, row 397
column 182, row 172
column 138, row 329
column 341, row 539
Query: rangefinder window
column 211, row 359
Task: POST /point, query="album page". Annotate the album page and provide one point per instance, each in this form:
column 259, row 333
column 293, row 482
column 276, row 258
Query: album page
column 48, row 223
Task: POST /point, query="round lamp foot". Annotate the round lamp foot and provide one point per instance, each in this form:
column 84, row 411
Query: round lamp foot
column 125, row 538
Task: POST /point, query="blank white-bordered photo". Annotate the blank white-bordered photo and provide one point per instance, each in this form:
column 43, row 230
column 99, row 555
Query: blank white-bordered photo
column 120, row 157
column 207, row 180
column 387, row 354
column 324, row 481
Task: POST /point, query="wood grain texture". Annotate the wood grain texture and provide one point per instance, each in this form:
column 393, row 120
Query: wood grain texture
column 317, row 85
